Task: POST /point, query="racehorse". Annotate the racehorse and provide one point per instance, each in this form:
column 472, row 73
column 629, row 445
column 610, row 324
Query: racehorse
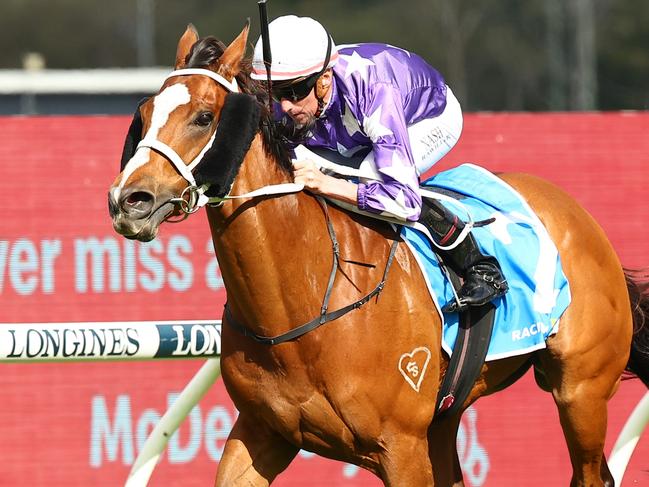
column 338, row 390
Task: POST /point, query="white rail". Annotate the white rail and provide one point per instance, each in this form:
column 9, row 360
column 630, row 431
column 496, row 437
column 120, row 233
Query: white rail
column 157, row 441
column 628, row 439
column 82, row 81
column 98, row 341
column 128, row 340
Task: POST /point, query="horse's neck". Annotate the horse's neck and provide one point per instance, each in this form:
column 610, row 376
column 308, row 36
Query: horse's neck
column 259, row 243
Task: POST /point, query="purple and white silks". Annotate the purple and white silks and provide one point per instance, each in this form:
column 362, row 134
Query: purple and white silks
column 379, row 92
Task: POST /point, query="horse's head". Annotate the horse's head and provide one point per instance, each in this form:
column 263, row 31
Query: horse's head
column 173, row 147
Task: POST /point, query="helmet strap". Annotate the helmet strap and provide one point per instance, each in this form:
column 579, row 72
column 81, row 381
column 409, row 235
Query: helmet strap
column 320, row 94
column 321, row 102
column 321, row 105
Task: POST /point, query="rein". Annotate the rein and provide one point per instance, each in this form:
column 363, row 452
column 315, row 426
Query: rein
column 324, row 315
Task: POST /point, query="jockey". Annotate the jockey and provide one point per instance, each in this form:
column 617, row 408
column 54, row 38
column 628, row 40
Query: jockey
column 380, row 100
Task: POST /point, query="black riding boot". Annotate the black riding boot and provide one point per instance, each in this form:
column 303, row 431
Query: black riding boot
column 483, row 279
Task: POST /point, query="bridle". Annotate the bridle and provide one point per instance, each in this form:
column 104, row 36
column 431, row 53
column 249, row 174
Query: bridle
column 194, row 196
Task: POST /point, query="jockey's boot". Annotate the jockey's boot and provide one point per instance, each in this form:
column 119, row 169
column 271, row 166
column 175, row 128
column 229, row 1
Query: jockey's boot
column 483, row 279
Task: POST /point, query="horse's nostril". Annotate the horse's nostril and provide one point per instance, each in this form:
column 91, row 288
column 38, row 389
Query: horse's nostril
column 137, row 203
column 138, row 198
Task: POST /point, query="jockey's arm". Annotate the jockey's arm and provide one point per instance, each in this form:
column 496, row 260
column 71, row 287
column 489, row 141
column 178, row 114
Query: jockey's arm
column 385, row 124
column 397, row 194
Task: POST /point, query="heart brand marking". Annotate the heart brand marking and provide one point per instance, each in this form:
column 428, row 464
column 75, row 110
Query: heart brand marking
column 413, row 366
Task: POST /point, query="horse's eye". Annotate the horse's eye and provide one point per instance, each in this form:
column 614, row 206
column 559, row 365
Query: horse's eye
column 204, row 119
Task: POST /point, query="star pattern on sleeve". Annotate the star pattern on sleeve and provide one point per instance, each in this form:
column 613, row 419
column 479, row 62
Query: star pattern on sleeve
column 396, row 206
column 373, row 127
column 403, row 173
column 356, row 64
column 350, row 123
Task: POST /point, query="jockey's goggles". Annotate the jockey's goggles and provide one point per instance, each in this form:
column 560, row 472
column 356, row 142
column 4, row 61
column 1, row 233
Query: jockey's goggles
column 295, row 90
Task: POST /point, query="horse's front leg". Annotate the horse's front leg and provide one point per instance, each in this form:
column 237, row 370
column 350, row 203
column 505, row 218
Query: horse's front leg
column 253, row 455
column 404, row 461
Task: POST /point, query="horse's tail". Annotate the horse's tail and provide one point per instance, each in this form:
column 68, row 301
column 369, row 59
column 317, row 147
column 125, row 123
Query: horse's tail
column 638, row 286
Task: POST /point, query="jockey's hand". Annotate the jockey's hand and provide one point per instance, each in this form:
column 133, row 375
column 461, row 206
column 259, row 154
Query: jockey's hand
column 306, row 172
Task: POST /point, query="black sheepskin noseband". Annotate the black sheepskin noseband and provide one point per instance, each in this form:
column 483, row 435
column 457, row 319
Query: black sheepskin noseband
column 237, row 126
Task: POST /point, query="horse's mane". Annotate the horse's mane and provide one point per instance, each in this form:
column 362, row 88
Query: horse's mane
column 207, row 51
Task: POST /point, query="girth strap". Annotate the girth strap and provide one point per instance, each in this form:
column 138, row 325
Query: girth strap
column 324, row 316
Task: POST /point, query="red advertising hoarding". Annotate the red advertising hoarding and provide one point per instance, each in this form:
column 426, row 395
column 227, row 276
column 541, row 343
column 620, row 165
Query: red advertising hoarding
column 60, row 261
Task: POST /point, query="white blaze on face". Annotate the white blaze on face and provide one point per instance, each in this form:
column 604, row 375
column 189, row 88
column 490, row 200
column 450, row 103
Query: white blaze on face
column 163, row 104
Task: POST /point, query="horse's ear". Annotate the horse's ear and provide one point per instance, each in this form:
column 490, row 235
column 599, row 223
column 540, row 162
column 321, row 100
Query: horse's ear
column 188, row 39
column 229, row 63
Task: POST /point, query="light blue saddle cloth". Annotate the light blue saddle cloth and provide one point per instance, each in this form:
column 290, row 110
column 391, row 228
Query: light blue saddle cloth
column 538, row 289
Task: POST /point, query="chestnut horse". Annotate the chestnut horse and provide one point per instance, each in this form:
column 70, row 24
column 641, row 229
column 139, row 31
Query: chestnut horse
column 337, row 390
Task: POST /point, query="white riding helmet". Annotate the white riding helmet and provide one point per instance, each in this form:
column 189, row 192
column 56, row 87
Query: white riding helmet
column 298, row 47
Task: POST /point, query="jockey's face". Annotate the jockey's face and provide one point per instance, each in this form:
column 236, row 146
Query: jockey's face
column 301, row 111
column 298, row 100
